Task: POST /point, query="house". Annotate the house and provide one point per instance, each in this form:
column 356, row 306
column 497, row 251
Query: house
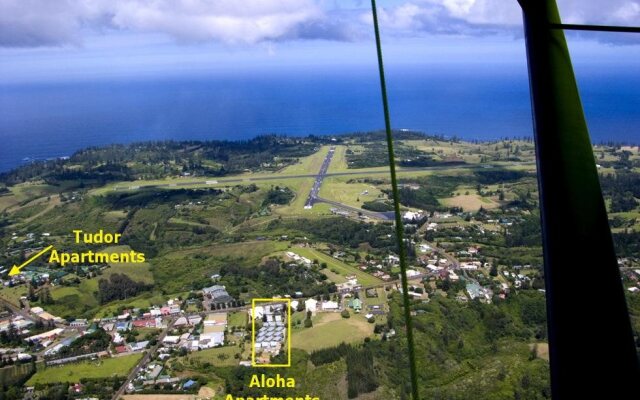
column 217, row 293
column 52, row 334
column 356, row 304
column 330, row 305
column 78, row 323
column 412, row 273
column 171, row 340
column 123, row 326
column 36, row 310
column 311, row 305
column 350, row 285
column 182, row 321
column 144, row 323
column 410, row 216
column 189, row 384
column 216, row 319
column 138, row 346
column 117, row 338
column 433, row 268
column 154, row 371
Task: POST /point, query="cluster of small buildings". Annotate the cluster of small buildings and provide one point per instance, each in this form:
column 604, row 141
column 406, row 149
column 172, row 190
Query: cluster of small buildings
column 272, row 334
column 476, row 291
column 299, row 259
column 42, row 314
column 18, row 322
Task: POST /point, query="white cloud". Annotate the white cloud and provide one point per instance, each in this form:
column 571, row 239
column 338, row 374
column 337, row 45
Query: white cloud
column 480, row 17
column 31, row 23
column 25, row 23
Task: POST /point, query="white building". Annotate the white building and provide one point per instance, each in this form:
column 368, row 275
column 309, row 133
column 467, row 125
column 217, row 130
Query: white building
column 311, row 305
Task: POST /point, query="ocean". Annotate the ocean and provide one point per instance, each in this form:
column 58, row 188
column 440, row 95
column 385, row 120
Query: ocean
column 39, row 121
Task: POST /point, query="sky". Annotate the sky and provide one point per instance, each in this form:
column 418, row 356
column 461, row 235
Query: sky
column 79, row 40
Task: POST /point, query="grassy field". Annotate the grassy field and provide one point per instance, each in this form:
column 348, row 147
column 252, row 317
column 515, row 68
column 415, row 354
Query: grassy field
column 140, row 272
column 333, row 277
column 339, row 160
column 376, row 301
column 330, row 329
column 175, row 271
column 342, row 268
column 307, row 165
column 72, row 373
column 219, row 356
column 470, row 202
column 351, row 194
column 13, row 294
column 253, row 250
column 239, row 319
column 8, row 200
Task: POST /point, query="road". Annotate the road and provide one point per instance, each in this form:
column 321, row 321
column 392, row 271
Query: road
column 25, row 313
column 387, row 216
column 313, row 194
column 143, row 362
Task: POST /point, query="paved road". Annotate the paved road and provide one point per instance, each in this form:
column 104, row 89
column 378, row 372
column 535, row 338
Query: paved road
column 25, row 313
column 313, row 194
column 143, row 362
column 387, row 216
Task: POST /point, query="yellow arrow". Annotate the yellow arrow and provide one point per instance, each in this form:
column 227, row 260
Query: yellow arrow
column 16, row 269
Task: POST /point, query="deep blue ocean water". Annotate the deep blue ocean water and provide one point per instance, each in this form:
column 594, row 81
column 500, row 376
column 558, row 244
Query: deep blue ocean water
column 50, row 120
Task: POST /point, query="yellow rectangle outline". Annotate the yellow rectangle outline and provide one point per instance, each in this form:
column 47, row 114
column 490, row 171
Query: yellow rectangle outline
column 253, row 332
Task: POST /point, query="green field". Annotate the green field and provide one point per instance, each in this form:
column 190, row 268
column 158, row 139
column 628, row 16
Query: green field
column 238, row 319
column 13, row 294
column 342, row 268
column 330, row 329
column 339, row 160
column 72, row 373
column 140, row 272
column 351, row 194
column 307, row 165
column 219, row 356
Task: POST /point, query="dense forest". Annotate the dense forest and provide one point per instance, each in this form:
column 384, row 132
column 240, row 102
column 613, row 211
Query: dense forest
column 341, row 231
column 119, row 287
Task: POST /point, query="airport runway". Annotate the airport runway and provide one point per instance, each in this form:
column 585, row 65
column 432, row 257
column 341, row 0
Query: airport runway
column 276, row 177
column 313, row 194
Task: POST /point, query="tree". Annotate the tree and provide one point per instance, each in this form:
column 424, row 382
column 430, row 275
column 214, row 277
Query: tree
column 345, row 314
